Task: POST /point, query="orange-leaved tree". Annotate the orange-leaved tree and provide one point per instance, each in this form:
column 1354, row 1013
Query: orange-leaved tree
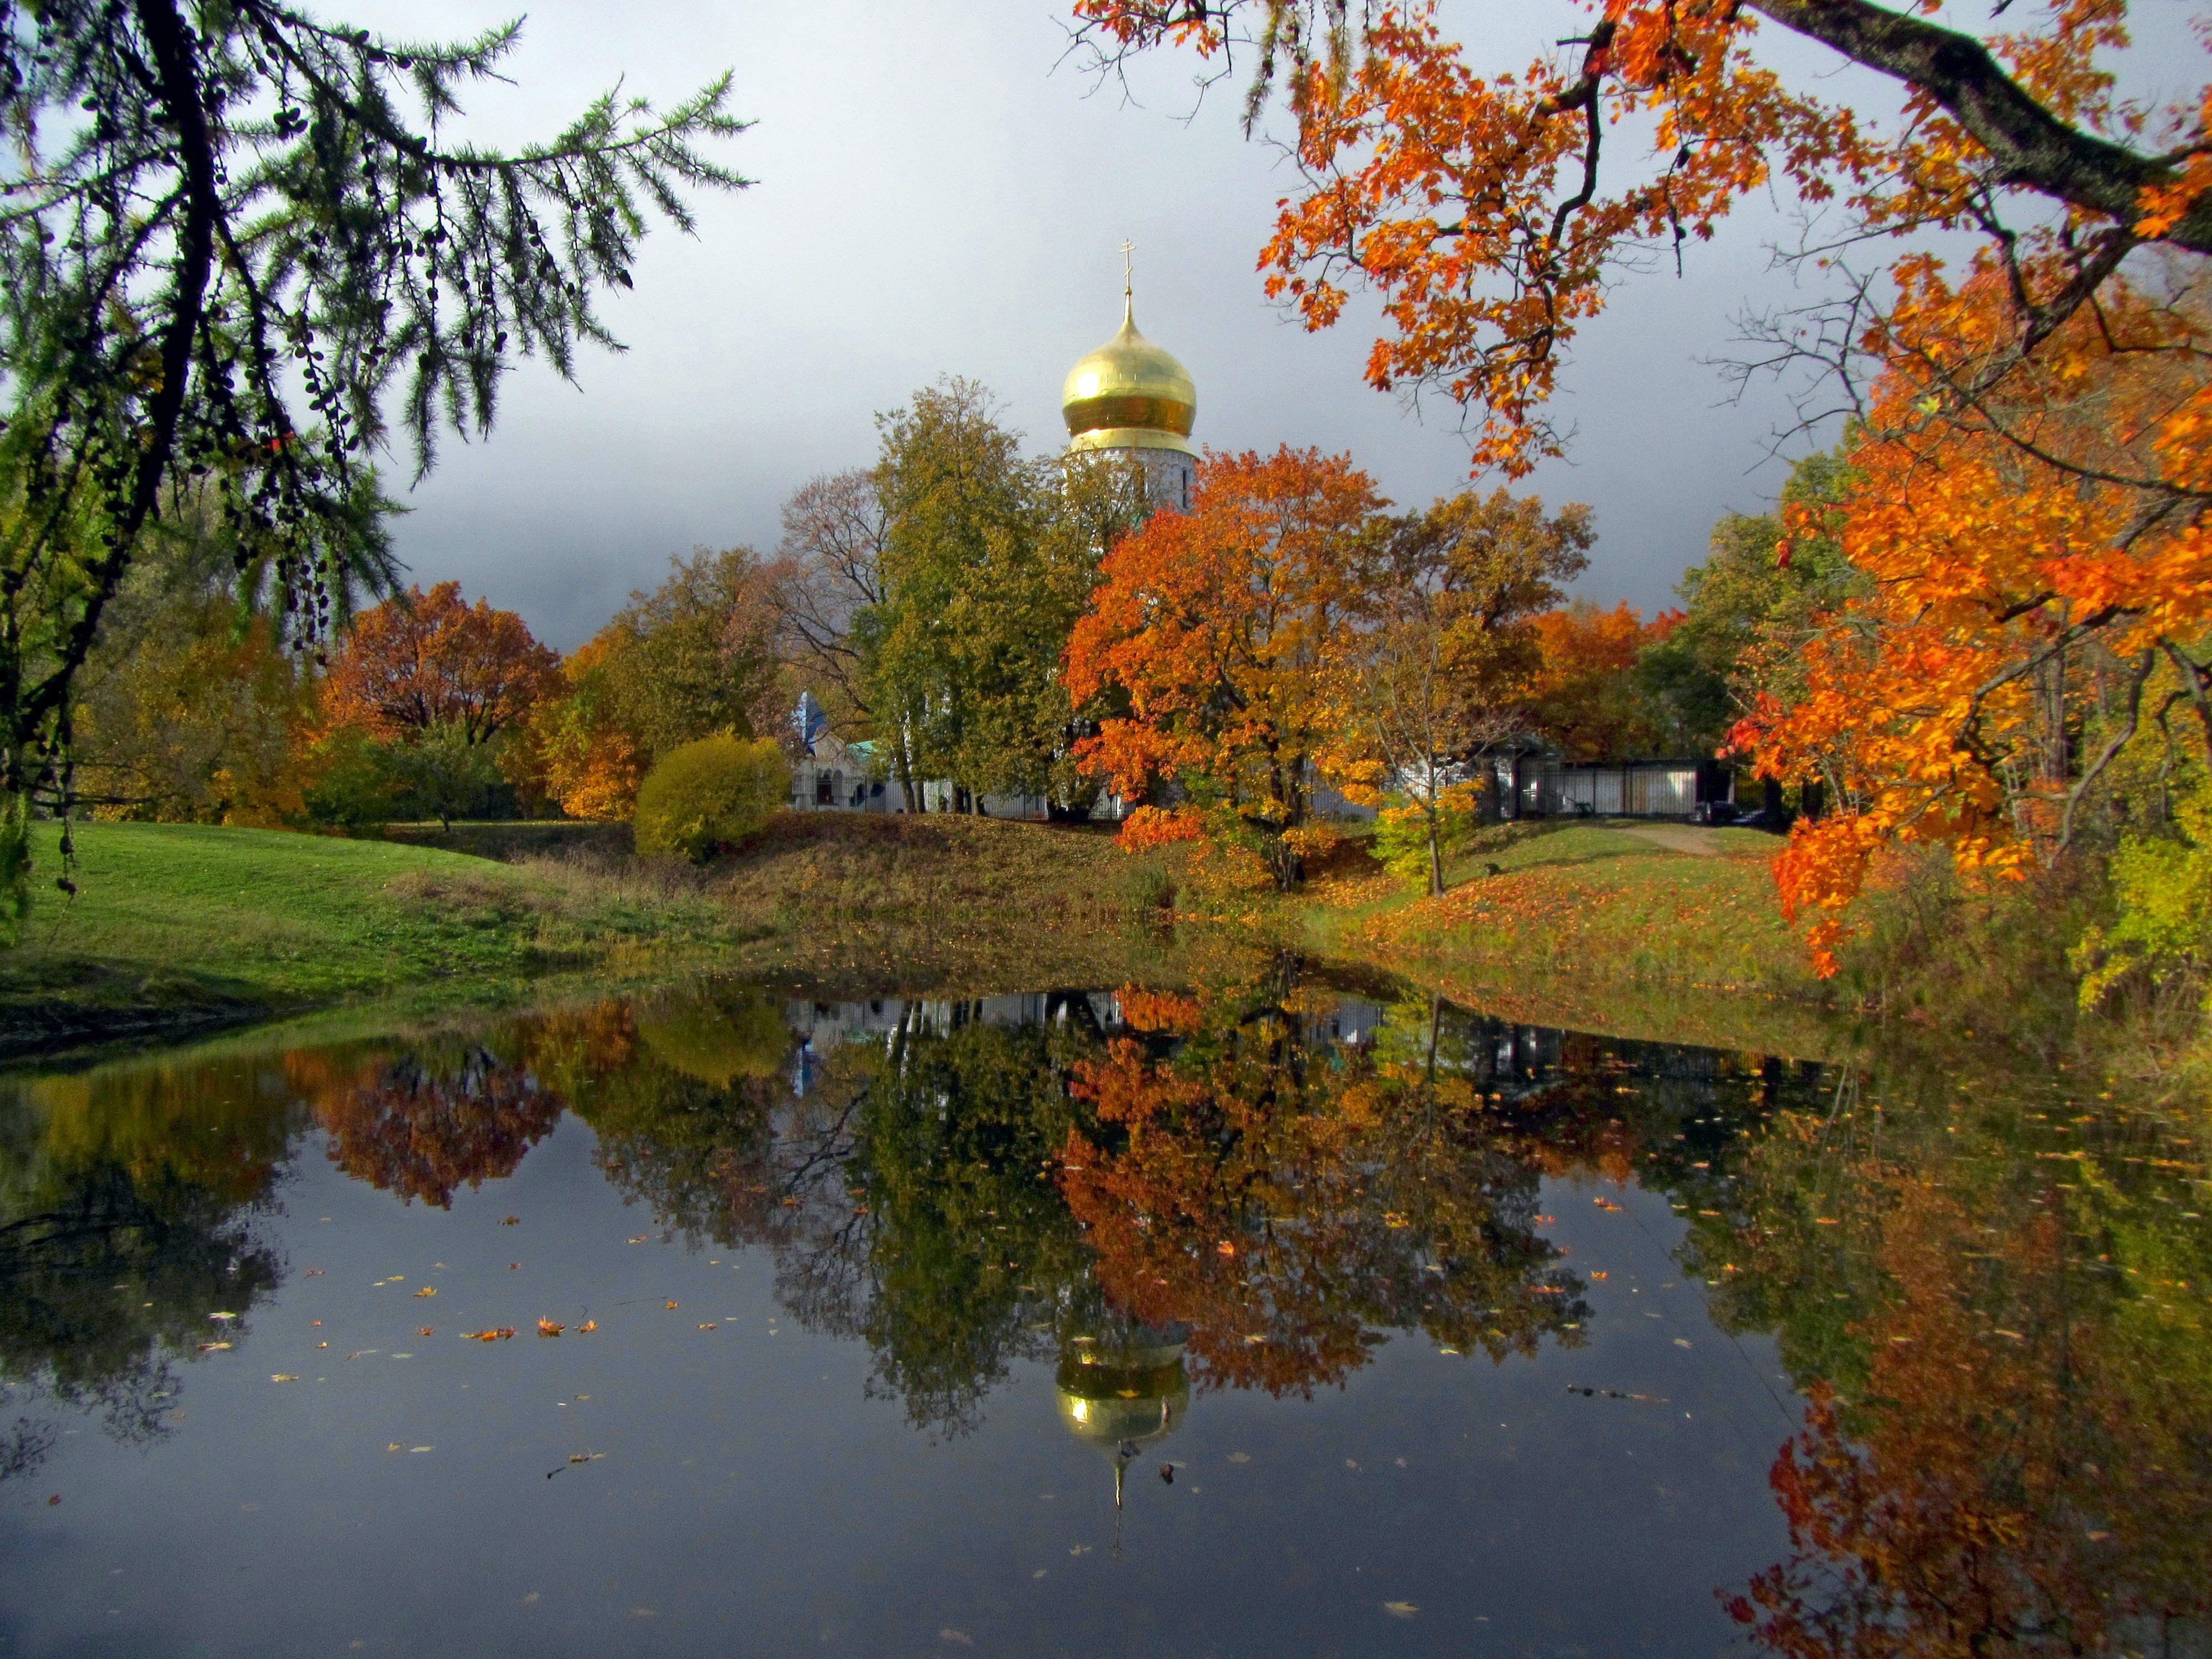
column 1225, row 639
column 578, row 750
column 1479, row 201
column 1587, row 697
column 421, row 661
column 2040, row 588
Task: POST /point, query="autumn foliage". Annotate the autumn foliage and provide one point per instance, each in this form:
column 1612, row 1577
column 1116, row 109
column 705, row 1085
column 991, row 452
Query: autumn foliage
column 2040, row 589
column 425, row 659
column 2026, row 484
column 1222, row 640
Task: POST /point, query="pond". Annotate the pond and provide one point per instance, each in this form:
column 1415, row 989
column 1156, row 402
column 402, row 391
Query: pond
column 1261, row 1317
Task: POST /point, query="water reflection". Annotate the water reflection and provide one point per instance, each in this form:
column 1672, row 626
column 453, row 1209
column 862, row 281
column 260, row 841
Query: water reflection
column 128, row 1210
column 1992, row 1295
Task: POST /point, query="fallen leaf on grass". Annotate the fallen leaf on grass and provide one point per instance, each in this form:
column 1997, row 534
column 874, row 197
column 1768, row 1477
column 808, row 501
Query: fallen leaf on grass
column 547, row 1328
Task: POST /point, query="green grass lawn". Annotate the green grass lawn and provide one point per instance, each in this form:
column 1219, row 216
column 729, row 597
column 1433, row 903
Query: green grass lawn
column 173, row 925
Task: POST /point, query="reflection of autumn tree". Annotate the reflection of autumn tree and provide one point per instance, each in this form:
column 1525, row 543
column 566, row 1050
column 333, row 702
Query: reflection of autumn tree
column 1291, row 1202
column 127, row 1197
column 680, row 1093
column 444, row 1115
column 2011, row 1445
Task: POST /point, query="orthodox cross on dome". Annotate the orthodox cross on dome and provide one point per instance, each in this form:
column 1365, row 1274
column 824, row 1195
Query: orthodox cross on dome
column 1126, row 267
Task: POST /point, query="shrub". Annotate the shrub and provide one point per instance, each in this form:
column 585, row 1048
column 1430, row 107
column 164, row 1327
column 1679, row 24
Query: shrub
column 1401, row 834
column 713, row 793
column 2163, row 887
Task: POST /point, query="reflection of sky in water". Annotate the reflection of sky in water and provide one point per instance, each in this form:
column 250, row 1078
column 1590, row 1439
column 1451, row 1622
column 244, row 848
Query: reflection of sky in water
column 752, row 1484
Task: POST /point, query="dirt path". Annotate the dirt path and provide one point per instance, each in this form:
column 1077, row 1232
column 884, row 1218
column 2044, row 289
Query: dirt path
column 1678, row 838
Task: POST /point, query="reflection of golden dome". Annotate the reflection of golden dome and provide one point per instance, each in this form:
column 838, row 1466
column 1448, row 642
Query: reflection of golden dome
column 1110, row 1406
column 1129, row 394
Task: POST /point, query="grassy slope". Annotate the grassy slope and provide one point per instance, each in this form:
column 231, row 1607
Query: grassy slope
column 1592, row 924
column 175, row 923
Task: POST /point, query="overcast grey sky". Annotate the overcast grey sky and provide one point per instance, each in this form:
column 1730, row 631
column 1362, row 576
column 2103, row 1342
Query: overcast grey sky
column 934, row 197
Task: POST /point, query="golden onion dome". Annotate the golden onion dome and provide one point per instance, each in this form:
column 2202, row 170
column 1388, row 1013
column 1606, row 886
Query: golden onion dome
column 1129, row 394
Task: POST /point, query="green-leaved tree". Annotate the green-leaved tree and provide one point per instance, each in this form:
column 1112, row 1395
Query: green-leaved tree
column 231, row 236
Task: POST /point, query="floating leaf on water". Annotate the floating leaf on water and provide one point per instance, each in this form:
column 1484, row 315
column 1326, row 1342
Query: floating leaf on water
column 283, row 1377
column 587, row 1326
column 427, row 1290
column 707, row 1326
column 313, row 1272
column 1599, row 1275
column 222, row 1315
column 422, row 1448
column 394, row 1446
column 511, row 1221
column 1240, row 1457
column 211, row 1347
column 671, row 1304
column 548, row 1327
column 959, row 1636
column 1399, row 1609
column 424, row 1331
column 1681, row 1341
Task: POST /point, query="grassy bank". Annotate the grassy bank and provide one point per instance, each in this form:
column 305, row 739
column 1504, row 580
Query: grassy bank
column 1660, row 932
column 176, row 925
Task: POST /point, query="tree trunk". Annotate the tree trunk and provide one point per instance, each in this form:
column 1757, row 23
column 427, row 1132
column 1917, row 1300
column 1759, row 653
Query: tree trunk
column 1435, row 856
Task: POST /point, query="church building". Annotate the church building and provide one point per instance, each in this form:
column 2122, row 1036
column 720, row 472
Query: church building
column 1127, row 400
